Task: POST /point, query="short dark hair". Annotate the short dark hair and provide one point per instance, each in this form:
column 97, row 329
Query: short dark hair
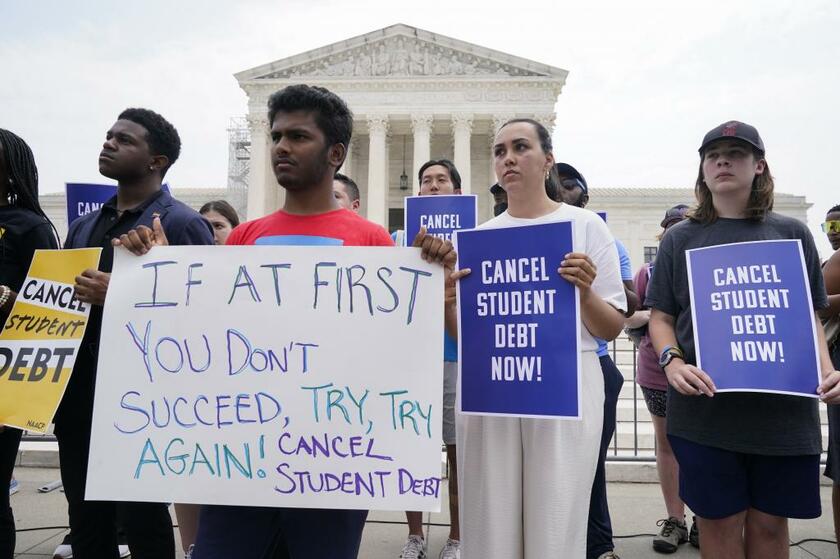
column 454, row 175
column 834, row 209
column 350, row 185
column 553, row 179
column 223, row 208
column 332, row 115
column 161, row 136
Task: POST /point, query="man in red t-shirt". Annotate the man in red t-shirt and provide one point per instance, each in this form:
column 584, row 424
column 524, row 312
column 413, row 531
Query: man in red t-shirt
column 310, row 131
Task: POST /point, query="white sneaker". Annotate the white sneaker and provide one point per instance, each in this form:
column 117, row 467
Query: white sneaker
column 452, row 550
column 415, row 548
column 124, row 552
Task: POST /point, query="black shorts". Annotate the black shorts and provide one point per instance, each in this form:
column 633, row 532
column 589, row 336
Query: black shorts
column 656, row 401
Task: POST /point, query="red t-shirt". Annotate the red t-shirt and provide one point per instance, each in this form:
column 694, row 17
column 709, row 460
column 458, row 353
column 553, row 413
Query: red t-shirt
column 337, row 227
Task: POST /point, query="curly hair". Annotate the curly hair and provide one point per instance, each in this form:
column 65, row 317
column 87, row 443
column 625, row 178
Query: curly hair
column 332, row 115
column 161, row 136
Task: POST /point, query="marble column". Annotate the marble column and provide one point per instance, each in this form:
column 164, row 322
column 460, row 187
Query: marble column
column 498, row 121
column 260, row 176
column 547, row 120
column 347, row 168
column 461, row 131
column 491, row 141
column 377, row 173
column 421, row 125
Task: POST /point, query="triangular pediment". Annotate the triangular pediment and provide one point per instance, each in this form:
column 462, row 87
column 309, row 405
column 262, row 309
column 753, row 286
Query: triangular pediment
column 400, row 52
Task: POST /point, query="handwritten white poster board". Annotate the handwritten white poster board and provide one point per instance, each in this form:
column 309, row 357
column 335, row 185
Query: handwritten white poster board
column 271, row 376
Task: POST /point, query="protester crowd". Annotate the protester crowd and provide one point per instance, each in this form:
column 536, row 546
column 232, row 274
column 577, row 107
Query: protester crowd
column 742, row 463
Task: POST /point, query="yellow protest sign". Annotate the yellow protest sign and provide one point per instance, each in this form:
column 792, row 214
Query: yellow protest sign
column 41, row 337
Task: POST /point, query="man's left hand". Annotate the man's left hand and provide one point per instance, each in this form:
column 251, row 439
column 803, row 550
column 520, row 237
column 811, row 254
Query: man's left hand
column 92, row 286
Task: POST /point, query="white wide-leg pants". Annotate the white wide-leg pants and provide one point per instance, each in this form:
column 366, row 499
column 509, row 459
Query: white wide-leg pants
column 524, row 484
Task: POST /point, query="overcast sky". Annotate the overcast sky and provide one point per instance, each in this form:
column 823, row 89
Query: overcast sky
column 646, row 79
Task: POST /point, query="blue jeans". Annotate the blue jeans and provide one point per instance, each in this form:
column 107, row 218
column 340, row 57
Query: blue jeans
column 599, row 535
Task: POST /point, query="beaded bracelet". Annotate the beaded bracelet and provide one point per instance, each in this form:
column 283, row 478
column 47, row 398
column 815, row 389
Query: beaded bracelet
column 5, row 293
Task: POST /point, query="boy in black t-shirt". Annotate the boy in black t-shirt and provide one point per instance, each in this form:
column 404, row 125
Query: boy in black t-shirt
column 748, row 461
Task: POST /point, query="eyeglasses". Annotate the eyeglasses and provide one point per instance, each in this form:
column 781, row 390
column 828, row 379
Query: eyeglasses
column 571, row 184
column 832, row 226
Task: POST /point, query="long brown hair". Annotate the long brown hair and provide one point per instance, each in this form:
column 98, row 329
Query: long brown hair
column 758, row 206
column 223, row 208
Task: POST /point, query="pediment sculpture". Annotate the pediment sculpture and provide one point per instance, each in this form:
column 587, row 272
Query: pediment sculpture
column 400, row 57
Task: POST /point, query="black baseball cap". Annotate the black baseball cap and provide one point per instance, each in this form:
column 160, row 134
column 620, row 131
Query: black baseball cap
column 733, row 130
column 567, row 170
column 674, row 215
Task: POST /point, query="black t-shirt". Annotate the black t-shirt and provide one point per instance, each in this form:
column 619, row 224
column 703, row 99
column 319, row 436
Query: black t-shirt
column 22, row 232
column 753, row 423
column 110, row 224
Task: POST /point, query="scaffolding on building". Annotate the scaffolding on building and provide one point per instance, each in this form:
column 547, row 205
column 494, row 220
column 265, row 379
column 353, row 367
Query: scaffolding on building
column 239, row 163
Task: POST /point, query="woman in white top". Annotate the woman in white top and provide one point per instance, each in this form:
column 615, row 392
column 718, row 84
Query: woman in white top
column 524, row 483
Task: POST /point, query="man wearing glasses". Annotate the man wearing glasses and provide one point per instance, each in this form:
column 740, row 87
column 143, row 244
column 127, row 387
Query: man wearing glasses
column 831, row 227
column 831, row 277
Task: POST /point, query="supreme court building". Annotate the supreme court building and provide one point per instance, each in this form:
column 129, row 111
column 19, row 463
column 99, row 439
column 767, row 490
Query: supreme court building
column 415, row 96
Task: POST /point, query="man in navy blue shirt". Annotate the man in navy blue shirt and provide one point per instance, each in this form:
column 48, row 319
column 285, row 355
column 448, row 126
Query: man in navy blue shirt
column 574, row 191
column 138, row 150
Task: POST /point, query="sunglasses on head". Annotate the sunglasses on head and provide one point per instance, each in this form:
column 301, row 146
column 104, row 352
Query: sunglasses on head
column 832, row 226
column 571, row 184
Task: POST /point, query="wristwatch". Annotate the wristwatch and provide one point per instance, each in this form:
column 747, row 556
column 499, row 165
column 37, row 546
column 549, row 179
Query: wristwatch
column 668, row 355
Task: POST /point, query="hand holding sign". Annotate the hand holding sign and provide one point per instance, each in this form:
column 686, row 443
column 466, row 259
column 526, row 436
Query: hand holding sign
column 829, row 389
column 139, row 241
column 579, row 270
column 435, row 249
column 754, row 327
column 92, row 286
column 451, row 288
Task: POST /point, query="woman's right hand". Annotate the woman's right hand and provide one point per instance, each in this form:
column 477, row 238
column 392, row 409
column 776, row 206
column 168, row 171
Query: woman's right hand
column 450, row 294
column 689, row 380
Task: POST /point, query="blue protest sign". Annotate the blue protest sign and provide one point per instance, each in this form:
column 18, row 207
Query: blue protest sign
column 83, row 198
column 753, row 317
column 602, row 215
column 440, row 215
column 519, row 330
